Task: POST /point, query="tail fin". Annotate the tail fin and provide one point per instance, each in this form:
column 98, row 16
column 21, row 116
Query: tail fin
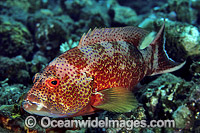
column 160, row 60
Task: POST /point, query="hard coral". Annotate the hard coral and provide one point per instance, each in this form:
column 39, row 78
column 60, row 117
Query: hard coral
column 164, row 98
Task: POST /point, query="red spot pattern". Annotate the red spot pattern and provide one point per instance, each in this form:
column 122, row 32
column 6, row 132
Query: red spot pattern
column 92, row 65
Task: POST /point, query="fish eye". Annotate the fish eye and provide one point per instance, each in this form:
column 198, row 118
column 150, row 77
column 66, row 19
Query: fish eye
column 54, row 82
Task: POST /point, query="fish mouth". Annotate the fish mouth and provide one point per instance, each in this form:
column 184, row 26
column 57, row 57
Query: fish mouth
column 34, row 105
column 35, row 108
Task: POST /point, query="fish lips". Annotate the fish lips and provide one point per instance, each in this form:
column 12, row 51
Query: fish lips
column 34, row 105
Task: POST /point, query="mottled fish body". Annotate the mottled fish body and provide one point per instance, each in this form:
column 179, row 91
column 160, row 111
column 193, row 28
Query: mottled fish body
column 98, row 74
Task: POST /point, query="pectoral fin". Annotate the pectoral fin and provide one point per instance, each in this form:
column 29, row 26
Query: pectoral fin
column 117, row 99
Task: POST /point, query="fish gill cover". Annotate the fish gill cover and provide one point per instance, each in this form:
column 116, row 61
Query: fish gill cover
column 34, row 32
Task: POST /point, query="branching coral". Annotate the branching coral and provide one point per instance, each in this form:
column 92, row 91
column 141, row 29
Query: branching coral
column 68, row 45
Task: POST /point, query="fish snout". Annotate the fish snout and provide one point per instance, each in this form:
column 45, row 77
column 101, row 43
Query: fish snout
column 35, row 105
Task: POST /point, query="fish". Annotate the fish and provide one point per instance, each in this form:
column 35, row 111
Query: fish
column 99, row 74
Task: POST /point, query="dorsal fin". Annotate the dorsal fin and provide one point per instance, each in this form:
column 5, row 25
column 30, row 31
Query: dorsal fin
column 130, row 34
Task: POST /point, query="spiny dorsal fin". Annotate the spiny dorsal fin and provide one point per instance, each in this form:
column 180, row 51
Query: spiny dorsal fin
column 130, row 34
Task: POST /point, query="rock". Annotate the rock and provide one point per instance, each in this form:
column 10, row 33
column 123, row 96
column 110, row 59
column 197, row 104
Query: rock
column 182, row 40
column 86, row 16
column 15, row 38
column 125, row 15
column 195, row 71
column 38, row 63
column 163, row 99
column 10, row 93
column 195, row 99
column 143, row 7
column 182, row 117
column 22, row 4
column 74, row 7
column 184, row 11
column 13, row 118
column 50, row 33
column 15, row 69
column 190, row 40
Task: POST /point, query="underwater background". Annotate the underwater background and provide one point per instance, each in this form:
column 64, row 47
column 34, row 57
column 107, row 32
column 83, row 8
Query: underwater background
column 34, row 32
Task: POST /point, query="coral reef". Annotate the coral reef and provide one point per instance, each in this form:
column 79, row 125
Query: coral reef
column 15, row 38
column 10, row 93
column 15, row 69
column 165, row 98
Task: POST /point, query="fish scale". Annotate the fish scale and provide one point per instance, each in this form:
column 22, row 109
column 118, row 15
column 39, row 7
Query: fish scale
column 97, row 74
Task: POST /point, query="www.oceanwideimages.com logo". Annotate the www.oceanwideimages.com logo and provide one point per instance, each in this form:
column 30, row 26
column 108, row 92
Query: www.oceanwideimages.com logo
column 46, row 122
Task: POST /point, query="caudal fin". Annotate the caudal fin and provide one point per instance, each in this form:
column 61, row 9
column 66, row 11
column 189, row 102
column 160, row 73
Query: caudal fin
column 160, row 60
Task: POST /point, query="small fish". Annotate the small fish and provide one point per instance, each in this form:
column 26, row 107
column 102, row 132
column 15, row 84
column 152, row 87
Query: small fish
column 98, row 74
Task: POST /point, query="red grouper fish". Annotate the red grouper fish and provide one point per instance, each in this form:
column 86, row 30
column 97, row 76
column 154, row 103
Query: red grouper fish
column 98, row 74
